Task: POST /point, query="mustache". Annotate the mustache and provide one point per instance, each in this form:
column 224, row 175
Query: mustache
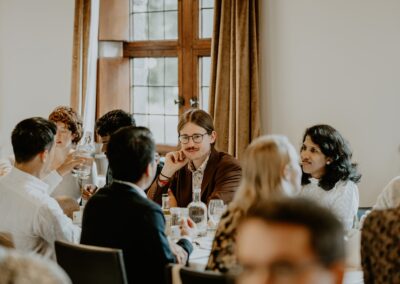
column 191, row 148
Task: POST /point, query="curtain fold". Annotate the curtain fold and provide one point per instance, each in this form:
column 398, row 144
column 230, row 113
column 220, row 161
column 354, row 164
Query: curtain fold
column 234, row 91
column 84, row 61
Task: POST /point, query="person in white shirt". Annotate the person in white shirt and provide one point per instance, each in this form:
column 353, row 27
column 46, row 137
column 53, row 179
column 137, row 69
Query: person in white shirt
column 329, row 177
column 59, row 177
column 34, row 219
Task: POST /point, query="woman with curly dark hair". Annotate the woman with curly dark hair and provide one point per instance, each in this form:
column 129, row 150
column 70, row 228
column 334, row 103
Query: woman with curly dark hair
column 329, row 177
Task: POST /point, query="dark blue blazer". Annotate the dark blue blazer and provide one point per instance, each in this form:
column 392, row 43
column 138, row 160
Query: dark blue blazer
column 117, row 216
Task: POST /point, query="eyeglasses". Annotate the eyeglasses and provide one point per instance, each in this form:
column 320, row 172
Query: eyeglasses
column 197, row 138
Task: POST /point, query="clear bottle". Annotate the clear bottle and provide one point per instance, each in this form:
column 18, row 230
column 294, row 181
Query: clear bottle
column 84, row 150
column 198, row 212
column 167, row 213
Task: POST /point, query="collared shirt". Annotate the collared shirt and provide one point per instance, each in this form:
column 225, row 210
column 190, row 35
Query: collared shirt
column 197, row 174
column 134, row 186
column 34, row 219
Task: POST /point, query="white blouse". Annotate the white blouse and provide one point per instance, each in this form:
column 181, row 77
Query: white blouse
column 342, row 199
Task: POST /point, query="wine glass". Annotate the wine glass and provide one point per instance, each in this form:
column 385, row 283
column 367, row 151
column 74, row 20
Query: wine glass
column 216, row 208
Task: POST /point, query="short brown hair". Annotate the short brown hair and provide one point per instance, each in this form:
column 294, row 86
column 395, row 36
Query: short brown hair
column 70, row 118
column 198, row 117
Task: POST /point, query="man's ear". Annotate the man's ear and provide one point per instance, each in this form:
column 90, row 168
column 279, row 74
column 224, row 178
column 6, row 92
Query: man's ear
column 213, row 136
column 44, row 155
column 150, row 169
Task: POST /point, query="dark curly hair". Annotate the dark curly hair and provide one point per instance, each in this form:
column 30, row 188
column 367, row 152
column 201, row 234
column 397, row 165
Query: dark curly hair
column 333, row 146
column 112, row 121
column 71, row 120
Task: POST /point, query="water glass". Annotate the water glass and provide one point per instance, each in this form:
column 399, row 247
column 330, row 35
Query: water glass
column 176, row 215
column 216, row 208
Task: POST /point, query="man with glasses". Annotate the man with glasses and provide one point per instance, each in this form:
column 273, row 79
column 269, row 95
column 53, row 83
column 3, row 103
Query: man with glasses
column 197, row 164
column 290, row 241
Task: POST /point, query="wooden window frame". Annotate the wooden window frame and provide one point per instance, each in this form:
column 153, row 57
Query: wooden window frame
column 188, row 48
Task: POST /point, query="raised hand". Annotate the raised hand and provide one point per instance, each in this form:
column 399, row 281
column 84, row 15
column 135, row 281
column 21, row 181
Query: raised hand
column 174, row 161
column 70, row 162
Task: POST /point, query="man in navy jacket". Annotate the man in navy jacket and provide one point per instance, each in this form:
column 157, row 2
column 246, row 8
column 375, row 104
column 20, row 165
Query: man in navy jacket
column 120, row 215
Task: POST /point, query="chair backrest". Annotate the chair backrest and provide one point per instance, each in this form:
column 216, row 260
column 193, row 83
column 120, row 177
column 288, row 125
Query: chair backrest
column 192, row 276
column 91, row 264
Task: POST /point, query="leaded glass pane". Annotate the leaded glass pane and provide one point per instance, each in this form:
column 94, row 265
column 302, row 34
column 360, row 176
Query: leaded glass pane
column 140, row 99
column 171, row 135
column 154, row 89
column 157, row 127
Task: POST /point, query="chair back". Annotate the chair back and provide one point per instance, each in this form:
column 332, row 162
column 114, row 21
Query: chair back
column 193, row 276
column 91, row 264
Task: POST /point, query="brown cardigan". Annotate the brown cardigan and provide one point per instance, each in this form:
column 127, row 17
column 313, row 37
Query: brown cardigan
column 220, row 181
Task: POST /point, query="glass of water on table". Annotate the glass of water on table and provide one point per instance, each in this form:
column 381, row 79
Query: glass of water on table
column 216, row 208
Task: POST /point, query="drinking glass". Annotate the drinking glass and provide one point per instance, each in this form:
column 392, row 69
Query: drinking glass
column 216, row 208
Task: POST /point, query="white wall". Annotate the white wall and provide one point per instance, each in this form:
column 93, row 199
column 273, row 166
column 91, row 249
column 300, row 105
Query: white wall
column 336, row 62
column 35, row 60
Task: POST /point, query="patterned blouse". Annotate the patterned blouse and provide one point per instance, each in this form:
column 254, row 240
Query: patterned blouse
column 222, row 257
column 380, row 247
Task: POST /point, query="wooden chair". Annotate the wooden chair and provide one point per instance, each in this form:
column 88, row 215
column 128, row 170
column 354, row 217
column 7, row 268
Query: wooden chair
column 192, row 276
column 91, row 264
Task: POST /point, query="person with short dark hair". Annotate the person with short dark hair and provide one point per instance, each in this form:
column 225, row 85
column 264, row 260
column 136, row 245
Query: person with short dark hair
column 111, row 122
column 197, row 164
column 105, row 126
column 329, row 176
column 291, row 241
column 34, row 219
column 120, row 215
column 58, row 175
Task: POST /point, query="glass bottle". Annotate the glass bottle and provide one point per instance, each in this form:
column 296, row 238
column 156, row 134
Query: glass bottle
column 167, row 213
column 84, row 150
column 198, row 212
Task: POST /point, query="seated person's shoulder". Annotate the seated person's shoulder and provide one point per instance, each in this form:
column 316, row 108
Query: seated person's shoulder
column 229, row 161
column 394, row 184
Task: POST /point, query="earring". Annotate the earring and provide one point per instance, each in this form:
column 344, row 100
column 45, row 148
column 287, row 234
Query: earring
column 328, row 163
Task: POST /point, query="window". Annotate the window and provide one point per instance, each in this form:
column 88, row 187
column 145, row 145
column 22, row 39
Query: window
column 169, row 47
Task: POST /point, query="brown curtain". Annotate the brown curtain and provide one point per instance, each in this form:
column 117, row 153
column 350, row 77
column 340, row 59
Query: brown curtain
column 80, row 54
column 84, row 61
column 234, row 94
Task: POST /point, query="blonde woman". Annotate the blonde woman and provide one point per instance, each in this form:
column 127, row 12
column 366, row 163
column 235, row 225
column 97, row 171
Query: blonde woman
column 271, row 169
